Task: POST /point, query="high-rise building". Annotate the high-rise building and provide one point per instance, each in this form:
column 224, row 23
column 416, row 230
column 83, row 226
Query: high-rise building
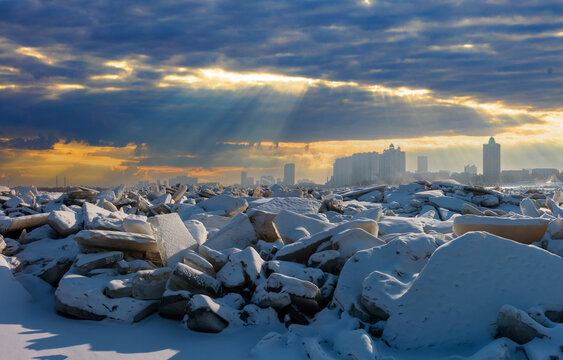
column 342, row 171
column 365, row 168
column 422, row 164
column 470, row 169
column 289, row 174
column 393, row 163
column 243, row 178
column 491, row 162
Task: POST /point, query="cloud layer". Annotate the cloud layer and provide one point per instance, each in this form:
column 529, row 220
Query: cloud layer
column 189, row 83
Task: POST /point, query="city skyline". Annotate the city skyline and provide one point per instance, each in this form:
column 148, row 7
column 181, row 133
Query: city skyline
column 433, row 163
column 110, row 94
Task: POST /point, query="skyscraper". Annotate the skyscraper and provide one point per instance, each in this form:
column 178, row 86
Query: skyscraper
column 342, row 171
column 289, row 174
column 491, row 162
column 243, row 178
column 422, row 164
column 365, row 168
column 393, row 163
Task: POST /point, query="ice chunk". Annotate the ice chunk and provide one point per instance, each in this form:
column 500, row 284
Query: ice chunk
column 86, row 262
column 150, row 284
column 83, row 297
column 263, row 223
column 238, row 233
column 65, row 222
column 172, row 238
column 186, row 278
column 351, row 241
column 231, row 206
column 198, row 230
column 399, row 225
column 524, row 230
column 451, row 301
column 8, row 225
column 117, row 240
column 137, row 225
column 529, row 208
column 287, row 221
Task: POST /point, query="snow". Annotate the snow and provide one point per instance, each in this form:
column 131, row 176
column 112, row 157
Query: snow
column 403, row 257
column 479, row 273
column 229, row 205
column 447, row 202
column 294, row 204
column 31, row 329
column 351, row 241
column 399, row 225
column 238, row 233
column 98, row 218
column 292, row 286
column 65, row 222
column 86, row 294
column 288, row 221
column 198, row 230
column 397, row 282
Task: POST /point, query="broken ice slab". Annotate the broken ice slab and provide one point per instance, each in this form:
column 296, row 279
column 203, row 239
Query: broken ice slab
column 87, row 262
column 65, row 222
column 522, row 230
column 23, row 222
column 83, row 297
column 172, row 238
column 82, row 193
column 116, row 240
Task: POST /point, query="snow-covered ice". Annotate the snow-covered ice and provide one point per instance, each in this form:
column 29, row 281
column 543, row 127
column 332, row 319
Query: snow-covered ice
column 424, row 270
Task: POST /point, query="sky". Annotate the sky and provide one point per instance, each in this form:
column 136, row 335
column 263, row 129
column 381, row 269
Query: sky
column 111, row 92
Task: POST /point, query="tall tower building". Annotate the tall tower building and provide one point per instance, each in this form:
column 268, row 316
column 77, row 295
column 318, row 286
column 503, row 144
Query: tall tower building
column 422, row 164
column 491, row 162
column 289, row 174
column 393, row 164
column 243, row 178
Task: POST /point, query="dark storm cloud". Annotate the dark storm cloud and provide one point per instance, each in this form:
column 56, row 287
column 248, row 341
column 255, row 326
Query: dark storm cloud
column 416, row 45
column 41, row 142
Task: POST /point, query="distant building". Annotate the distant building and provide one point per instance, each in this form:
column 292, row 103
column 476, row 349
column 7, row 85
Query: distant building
column 513, row 176
column 342, row 171
column 289, row 174
column 367, row 168
column 422, row 164
column 243, row 178
column 470, row 169
column 544, row 173
column 393, row 163
column 183, row 180
column 250, row 181
column 491, row 162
